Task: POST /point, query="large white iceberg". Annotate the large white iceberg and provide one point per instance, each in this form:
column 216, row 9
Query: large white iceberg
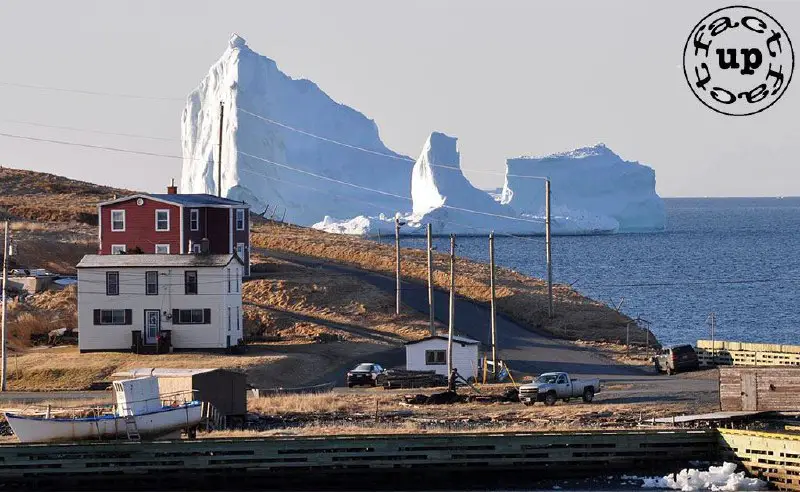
column 258, row 151
column 593, row 183
column 292, row 151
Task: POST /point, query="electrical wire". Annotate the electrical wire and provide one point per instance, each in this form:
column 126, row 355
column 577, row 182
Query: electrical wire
column 87, row 130
column 374, row 152
column 87, row 92
column 381, row 192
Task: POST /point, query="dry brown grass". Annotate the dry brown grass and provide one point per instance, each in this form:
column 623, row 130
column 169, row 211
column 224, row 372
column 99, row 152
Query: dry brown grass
column 41, row 313
column 298, row 303
column 64, row 368
column 319, row 403
column 43, row 197
column 522, row 298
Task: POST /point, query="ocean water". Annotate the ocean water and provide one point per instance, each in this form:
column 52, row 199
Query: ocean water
column 736, row 257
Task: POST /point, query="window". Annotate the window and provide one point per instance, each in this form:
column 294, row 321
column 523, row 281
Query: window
column 562, row 379
column 118, row 249
column 435, row 357
column 190, row 281
column 151, row 283
column 162, row 249
column 230, row 325
column 197, row 248
column 229, row 280
column 239, row 219
column 162, row 220
column 194, row 219
column 238, row 315
column 118, row 220
column 240, row 250
column 112, row 317
column 191, row 316
column 236, row 279
column 112, row 283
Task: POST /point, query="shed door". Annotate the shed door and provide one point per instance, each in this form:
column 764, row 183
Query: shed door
column 749, row 395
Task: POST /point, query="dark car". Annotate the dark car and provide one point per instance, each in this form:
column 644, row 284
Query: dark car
column 679, row 358
column 367, row 374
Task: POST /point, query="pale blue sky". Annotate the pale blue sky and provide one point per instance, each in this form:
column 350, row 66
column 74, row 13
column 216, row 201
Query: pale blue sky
column 505, row 77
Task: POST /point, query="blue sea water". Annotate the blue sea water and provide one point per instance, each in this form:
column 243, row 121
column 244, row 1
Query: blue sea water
column 736, row 257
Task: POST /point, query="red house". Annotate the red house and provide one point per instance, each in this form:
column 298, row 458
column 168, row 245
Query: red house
column 175, row 223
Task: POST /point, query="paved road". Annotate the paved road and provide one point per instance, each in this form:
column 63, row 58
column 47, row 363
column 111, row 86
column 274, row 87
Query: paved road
column 523, row 350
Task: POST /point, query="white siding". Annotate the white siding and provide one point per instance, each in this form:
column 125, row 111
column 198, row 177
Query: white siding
column 212, row 294
column 465, row 357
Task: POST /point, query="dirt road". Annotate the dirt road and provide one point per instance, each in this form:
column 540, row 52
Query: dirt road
column 522, row 349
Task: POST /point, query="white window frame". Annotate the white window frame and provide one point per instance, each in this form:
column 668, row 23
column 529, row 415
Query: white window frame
column 197, row 248
column 162, row 246
column 240, row 211
column 121, row 248
column 159, row 211
column 123, row 220
column 240, row 251
column 194, row 219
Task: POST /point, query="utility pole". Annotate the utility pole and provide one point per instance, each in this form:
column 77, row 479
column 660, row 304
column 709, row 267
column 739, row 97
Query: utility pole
column 452, row 304
column 493, row 311
column 397, row 262
column 5, row 313
column 219, row 159
column 430, row 280
column 549, row 248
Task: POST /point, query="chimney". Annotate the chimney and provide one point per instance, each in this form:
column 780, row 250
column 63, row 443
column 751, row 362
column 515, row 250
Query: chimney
column 172, row 189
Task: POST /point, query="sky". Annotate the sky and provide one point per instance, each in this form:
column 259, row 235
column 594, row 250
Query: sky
column 507, row 78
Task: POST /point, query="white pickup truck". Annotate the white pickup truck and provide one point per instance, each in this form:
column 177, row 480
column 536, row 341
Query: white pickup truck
column 553, row 386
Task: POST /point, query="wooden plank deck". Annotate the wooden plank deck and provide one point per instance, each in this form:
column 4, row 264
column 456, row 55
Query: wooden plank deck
column 572, row 452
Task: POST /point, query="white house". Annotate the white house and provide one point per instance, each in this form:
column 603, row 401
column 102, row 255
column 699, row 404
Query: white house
column 152, row 303
column 430, row 354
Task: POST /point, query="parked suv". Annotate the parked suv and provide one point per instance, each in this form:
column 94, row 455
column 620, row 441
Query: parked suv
column 367, row 374
column 679, row 358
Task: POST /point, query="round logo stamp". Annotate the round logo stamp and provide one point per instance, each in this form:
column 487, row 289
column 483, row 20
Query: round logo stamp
column 738, row 60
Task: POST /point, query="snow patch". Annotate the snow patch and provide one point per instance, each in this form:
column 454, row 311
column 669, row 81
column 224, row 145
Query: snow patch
column 717, row 478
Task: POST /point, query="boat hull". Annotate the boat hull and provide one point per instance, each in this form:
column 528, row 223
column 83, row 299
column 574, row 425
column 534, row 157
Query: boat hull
column 149, row 425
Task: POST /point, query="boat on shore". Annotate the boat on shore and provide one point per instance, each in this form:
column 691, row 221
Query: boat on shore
column 140, row 413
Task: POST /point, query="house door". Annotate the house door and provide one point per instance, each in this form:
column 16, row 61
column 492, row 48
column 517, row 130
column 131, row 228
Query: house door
column 749, row 394
column 152, row 325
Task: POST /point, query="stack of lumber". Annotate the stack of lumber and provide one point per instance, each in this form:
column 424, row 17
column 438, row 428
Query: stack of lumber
column 398, row 378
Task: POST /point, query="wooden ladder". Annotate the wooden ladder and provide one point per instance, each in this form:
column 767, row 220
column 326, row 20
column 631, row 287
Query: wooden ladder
column 131, row 428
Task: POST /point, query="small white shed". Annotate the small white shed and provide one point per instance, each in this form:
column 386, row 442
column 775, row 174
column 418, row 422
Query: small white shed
column 430, row 354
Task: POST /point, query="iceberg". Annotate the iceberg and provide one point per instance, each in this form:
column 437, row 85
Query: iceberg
column 292, row 152
column 262, row 150
column 591, row 184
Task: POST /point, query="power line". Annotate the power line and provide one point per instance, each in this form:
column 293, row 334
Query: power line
column 100, row 132
column 87, row 92
column 374, row 152
column 346, row 197
column 97, row 147
column 381, row 192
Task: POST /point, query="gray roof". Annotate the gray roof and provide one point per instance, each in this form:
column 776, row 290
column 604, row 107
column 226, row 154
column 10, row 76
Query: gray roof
column 456, row 338
column 159, row 372
column 189, row 200
column 134, row 261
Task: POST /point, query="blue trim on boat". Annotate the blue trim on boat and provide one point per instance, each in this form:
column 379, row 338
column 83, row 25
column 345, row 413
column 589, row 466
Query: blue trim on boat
column 190, row 404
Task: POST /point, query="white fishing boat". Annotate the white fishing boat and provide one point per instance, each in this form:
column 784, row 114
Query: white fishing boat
column 140, row 412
